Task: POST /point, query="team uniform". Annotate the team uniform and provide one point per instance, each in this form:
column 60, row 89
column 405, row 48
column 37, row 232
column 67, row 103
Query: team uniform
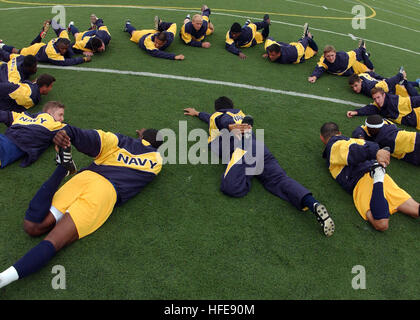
column 122, row 167
column 145, row 39
column 192, row 37
column 235, row 181
column 11, row 70
column 27, row 136
column 345, row 64
column 48, row 52
column 83, row 40
column 19, row 97
column 402, row 110
column 403, row 144
column 249, row 37
column 392, row 85
column 349, row 161
column 294, row 52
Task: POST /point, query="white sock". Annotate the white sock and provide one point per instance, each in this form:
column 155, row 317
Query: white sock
column 379, row 175
column 8, row 276
column 56, row 213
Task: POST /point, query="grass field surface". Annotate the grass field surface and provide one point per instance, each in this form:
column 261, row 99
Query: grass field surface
column 181, row 238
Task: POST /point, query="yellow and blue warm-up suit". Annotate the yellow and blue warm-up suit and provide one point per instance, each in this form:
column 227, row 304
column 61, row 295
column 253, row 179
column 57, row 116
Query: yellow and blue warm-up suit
column 345, row 64
column 392, row 85
column 11, row 70
column 83, row 39
column 27, row 136
column 294, row 52
column 192, row 37
column 122, row 167
column 145, row 39
column 235, row 180
column 402, row 110
column 404, row 145
column 349, row 161
column 19, row 97
column 249, row 37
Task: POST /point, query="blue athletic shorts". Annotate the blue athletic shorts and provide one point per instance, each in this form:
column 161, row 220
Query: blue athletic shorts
column 9, row 152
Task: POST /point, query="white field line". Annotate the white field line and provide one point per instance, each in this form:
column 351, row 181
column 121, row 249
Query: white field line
column 346, row 12
column 207, row 81
column 233, row 15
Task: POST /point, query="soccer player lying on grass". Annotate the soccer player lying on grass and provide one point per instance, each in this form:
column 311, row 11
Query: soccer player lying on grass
column 91, row 41
column 359, row 167
column 122, row 167
column 404, row 145
column 29, row 135
column 295, row 52
column 154, row 41
column 402, row 110
column 16, row 68
column 246, row 36
column 57, row 51
column 195, row 29
column 398, row 84
column 342, row 63
column 24, row 95
column 228, row 128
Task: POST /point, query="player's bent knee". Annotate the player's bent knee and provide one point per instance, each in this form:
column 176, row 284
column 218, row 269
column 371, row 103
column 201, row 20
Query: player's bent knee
column 234, row 192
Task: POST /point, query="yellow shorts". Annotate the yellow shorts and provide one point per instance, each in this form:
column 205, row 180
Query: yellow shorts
column 301, row 51
column 359, row 67
column 137, row 34
column 362, row 194
column 89, row 198
column 417, row 112
column 32, row 50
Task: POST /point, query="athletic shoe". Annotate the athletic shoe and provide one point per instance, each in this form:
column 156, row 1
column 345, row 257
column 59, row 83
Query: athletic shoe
column 266, row 18
column 2, row 44
column 401, row 70
column 418, row 81
column 305, row 29
column 125, row 26
column 324, row 219
column 362, row 43
column 376, row 170
column 45, row 28
column 247, row 22
column 188, row 17
column 69, row 26
column 157, row 22
column 248, row 120
column 63, row 157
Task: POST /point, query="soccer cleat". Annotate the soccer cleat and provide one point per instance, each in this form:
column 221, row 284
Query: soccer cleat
column 247, row 22
column 125, row 26
column 2, row 44
column 266, row 18
column 324, row 219
column 188, row 17
column 305, row 30
column 69, row 26
column 157, row 22
column 401, row 70
column 362, row 43
column 418, row 81
column 45, row 28
column 63, row 157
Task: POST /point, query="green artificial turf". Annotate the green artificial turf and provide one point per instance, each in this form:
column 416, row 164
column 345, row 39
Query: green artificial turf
column 181, row 238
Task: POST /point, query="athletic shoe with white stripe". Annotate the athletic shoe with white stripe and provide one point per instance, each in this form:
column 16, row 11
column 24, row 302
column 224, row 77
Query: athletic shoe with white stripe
column 63, row 158
column 324, row 219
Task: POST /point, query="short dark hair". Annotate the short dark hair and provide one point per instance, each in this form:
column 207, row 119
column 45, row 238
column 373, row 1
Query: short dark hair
column 223, row 103
column 376, row 90
column 153, row 137
column 273, row 48
column 353, row 79
column 45, row 80
column 29, row 62
column 329, row 129
column 235, row 28
column 63, row 42
column 162, row 36
column 96, row 43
